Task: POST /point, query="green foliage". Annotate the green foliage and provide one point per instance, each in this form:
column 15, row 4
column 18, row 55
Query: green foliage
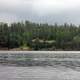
column 40, row 36
column 3, row 35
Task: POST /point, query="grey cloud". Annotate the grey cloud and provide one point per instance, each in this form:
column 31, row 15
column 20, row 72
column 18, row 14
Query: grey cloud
column 26, row 10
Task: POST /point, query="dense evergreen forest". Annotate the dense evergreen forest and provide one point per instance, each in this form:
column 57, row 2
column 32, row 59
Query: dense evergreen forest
column 32, row 36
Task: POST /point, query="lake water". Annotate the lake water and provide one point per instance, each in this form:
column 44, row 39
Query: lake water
column 38, row 73
column 63, row 66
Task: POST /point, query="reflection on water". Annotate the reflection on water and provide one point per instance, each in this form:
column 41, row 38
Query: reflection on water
column 71, row 60
column 40, row 66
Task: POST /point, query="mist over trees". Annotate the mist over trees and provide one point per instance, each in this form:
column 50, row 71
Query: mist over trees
column 36, row 36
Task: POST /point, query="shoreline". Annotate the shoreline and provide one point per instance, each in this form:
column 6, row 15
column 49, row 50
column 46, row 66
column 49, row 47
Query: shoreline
column 39, row 52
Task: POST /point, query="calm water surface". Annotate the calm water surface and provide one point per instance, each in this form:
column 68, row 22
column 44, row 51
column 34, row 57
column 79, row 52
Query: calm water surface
column 71, row 70
column 38, row 73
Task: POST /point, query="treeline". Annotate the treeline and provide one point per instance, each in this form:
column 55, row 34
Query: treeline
column 33, row 36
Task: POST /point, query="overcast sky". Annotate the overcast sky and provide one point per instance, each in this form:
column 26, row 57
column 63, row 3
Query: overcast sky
column 50, row 11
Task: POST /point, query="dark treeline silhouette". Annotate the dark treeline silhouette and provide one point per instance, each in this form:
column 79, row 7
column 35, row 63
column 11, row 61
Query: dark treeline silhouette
column 32, row 36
